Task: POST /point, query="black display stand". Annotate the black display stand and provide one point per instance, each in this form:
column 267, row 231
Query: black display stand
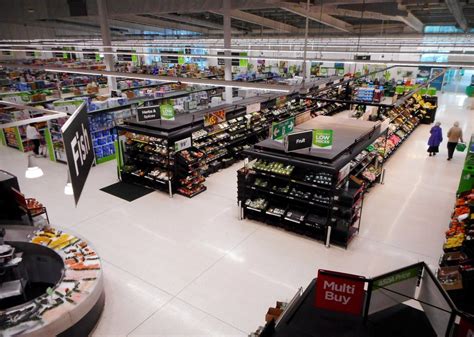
column 308, row 191
column 304, row 319
column 147, row 150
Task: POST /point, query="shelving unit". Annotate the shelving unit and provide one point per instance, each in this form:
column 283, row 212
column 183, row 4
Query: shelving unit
column 312, row 191
column 189, row 166
column 146, row 160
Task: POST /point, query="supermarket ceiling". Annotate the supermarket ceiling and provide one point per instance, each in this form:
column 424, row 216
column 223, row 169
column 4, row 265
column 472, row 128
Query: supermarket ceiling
column 32, row 19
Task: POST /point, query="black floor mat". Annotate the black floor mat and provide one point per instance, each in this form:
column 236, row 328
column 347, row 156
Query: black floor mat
column 127, row 191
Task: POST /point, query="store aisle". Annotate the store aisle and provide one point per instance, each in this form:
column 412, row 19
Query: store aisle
column 189, row 267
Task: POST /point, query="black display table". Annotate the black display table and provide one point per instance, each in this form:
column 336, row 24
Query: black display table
column 305, row 320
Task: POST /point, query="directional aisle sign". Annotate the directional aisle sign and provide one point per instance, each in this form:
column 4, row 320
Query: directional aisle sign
column 78, row 146
column 281, row 129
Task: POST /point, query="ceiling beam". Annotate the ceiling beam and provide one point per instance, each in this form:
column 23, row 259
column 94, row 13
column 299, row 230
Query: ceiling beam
column 193, row 21
column 56, row 25
column 259, row 20
column 355, row 14
column 410, row 20
column 456, row 10
column 156, row 22
column 318, row 16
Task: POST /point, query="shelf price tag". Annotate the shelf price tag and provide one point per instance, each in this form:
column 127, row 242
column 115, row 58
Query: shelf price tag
column 182, row 144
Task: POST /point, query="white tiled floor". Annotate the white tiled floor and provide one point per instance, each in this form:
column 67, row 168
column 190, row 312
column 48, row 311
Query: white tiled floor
column 189, row 267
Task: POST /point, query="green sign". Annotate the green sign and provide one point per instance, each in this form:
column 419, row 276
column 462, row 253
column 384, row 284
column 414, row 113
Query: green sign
column 181, row 59
column 167, row 112
column 323, row 139
column 243, row 62
column 135, row 59
column 281, row 129
column 16, row 97
column 398, row 277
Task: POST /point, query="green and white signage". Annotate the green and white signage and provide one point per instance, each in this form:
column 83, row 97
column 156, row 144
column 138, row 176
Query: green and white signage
column 281, row 129
column 323, row 139
column 167, row 112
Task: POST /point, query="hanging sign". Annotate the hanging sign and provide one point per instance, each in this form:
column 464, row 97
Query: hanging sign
column 340, row 292
column 167, row 112
column 78, row 146
column 182, row 144
column 253, row 107
column 215, row 117
column 281, row 129
column 298, row 141
column 148, row 113
column 323, row 139
column 466, row 328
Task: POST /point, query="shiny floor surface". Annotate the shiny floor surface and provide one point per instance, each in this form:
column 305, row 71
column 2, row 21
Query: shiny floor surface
column 189, row 267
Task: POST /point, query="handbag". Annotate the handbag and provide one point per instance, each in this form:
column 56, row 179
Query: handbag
column 461, row 147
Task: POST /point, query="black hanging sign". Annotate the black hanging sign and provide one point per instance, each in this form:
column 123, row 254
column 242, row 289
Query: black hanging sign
column 298, row 141
column 148, row 113
column 362, row 57
column 78, row 146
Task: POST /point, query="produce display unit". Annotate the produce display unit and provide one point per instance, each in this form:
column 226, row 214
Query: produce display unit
column 456, row 265
column 221, row 134
column 310, row 191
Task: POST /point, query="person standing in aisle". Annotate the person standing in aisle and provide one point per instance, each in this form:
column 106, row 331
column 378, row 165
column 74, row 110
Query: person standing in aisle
column 454, row 136
column 435, row 139
column 33, row 134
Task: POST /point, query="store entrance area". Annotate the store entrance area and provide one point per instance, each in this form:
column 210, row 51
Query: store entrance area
column 177, row 267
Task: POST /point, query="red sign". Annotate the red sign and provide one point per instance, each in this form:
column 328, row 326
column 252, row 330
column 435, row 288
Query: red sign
column 466, row 328
column 340, row 292
column 214, row 118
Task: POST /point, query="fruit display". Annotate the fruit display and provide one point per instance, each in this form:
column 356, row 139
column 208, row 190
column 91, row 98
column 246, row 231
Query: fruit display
column 460, row 229
column 273, row 167
column 258, row 204
column 189, row 166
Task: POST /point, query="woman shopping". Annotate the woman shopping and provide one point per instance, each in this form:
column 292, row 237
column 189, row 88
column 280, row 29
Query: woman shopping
column 454, row 136
column 435, row 139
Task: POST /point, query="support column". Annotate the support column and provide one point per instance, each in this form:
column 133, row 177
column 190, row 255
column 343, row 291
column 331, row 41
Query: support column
column 305, row 66
column 227, row 45
column 106, row 41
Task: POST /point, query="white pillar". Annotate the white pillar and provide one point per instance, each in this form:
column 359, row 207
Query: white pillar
column 305, row 75
column 106, row 41
column 227, row 45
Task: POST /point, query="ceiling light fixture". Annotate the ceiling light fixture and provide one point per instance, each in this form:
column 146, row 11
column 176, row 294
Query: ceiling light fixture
column 68, row 187
column 33, row 171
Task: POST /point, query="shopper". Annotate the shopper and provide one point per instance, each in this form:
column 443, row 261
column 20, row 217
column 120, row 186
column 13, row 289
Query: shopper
column 435, row 139
column 33, row 134
column 454, row 136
